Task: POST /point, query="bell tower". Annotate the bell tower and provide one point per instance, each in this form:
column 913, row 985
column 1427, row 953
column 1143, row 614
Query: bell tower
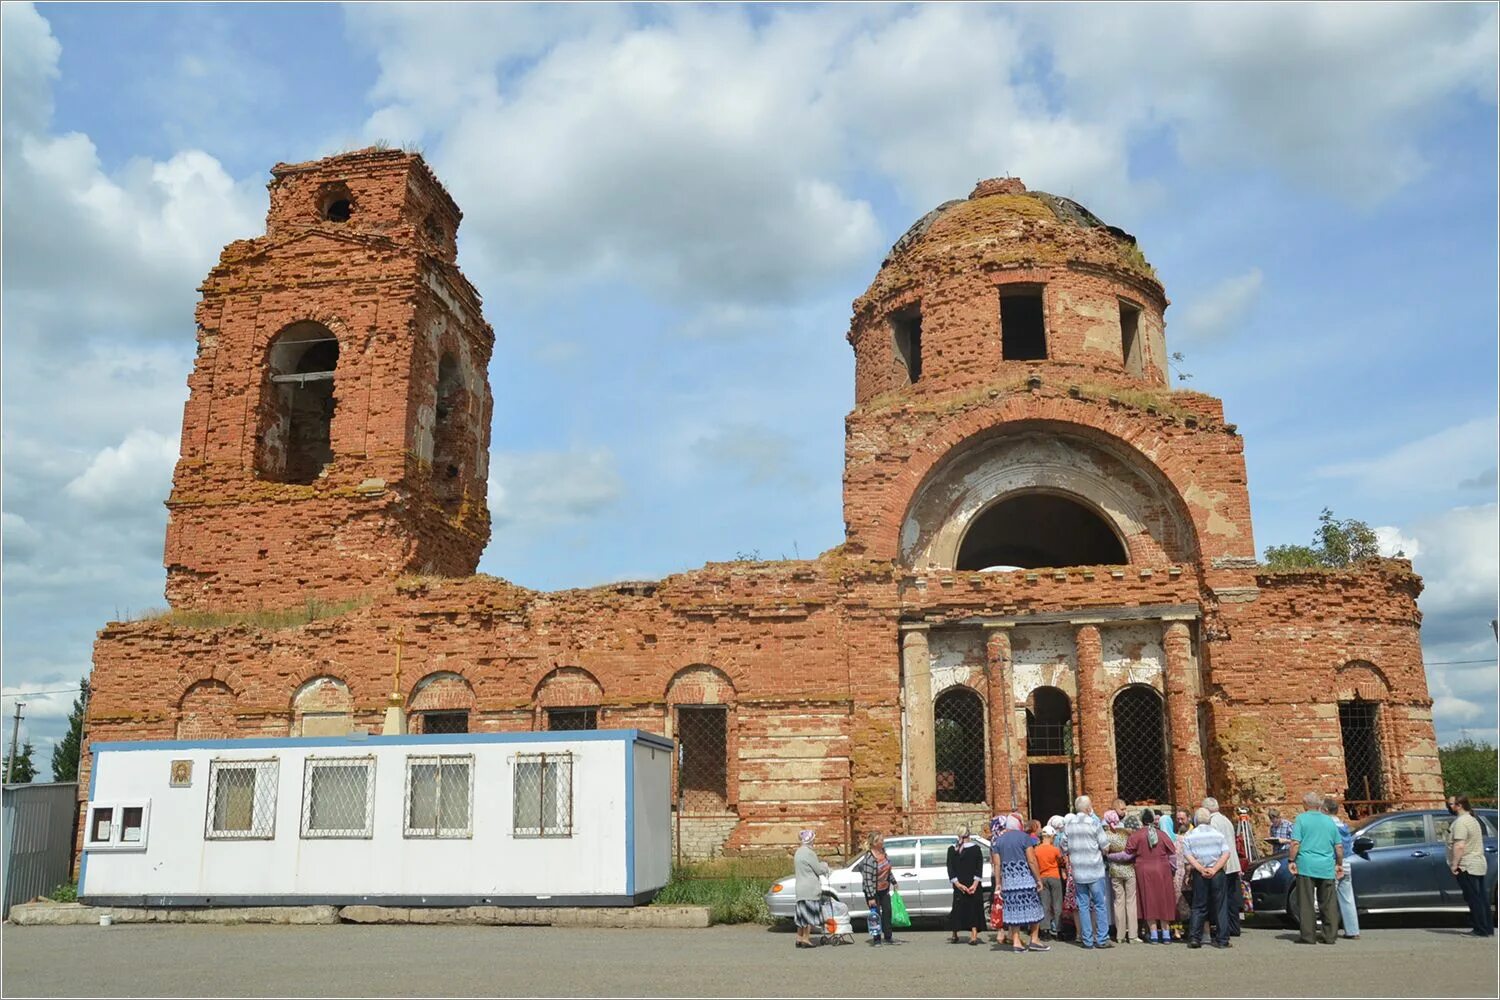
column 336, row 433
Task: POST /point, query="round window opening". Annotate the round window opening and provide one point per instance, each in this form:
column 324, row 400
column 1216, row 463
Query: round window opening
column 339, row 210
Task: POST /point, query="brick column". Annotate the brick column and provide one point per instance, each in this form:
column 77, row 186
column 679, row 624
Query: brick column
column 921, row 763
column 1007, row 783
column 1185, row 753
column 1096, row 729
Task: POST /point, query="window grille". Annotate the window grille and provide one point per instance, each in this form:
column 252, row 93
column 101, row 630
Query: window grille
column 1049, row 727
column 566, row 719
column 241, row 799
column 1359, row 727
column 958, row 746
column 445, row 722
column 703, row 758
column 338, row 797
column 543, row 795
column 439, row 795
column 1140, row 746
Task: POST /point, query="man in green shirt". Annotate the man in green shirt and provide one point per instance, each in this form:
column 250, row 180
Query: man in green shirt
column 1317, row 860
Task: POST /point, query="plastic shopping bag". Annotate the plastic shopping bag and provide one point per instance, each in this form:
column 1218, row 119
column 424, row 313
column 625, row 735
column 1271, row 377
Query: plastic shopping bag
column 899, row 916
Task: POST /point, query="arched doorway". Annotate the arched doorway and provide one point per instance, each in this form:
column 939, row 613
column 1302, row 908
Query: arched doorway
column 1039, row 529
column 1140, row 745
column 958, row 745
column 1049, row 752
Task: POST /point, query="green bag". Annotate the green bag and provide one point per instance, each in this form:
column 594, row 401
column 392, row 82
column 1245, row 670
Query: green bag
column 899, row 916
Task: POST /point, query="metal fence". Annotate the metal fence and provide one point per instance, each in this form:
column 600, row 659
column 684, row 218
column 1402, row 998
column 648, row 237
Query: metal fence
column 958, row 746
column 1140, row 745
column 41, row 821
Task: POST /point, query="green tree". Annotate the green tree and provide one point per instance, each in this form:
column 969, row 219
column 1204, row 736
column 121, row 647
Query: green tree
column 1335, row 544
column 1469, row 768
column 65, row 753
column 25, row 769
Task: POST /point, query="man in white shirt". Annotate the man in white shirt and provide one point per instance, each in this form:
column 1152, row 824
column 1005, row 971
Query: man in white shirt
column 1234, row 900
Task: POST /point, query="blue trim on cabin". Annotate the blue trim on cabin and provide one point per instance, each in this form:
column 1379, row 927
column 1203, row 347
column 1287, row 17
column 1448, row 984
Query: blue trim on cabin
column 288, row 742
column 630, row 819
column 83, row 862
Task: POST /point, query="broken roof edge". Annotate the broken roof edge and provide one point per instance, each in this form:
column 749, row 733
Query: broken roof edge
column 371, row 155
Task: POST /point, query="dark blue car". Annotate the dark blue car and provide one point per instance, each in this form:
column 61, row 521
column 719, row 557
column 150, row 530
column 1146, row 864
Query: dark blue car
column 1399, row 865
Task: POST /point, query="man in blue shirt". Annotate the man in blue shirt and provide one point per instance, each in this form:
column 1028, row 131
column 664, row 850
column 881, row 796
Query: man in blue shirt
column 1206, row 852
column 1316, row 859
column 1344, row 884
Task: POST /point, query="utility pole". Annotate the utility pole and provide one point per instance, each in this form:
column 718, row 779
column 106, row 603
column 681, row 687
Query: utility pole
column 15, row 736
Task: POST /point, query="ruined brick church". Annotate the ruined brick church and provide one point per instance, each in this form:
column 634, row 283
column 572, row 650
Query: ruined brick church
column 1048, row 582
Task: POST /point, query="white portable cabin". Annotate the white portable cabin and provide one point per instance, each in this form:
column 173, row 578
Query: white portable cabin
column 501, row 819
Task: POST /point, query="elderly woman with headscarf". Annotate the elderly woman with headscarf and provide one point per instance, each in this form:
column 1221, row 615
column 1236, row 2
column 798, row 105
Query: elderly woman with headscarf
column 1122, row 873
column 1019, row 880
column 965, row 868
column 808, row 868
column 1154, row 853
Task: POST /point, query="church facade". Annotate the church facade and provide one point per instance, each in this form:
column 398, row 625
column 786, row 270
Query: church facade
column 1048, row 583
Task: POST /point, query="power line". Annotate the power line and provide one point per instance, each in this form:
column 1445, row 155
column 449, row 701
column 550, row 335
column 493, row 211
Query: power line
column 32, row 694
column 1455, row 663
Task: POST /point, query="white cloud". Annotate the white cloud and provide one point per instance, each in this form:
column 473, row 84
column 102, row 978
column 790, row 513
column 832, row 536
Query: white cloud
column 20, row 540
column 708, row 155
column 89, row 252
column 130, row 474
column 1435, row 463
column 1219, row 309
column 534, row 489
column 1337, row 96
column 1459, row 559
column 1391, row 542
column 28, row 55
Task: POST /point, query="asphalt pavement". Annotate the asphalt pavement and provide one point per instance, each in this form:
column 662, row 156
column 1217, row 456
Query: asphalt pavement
column 356, row 961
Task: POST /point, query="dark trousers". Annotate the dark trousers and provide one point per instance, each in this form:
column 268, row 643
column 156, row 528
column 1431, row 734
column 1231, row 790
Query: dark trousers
column 1317, row 896
column 1479, row 907
column 1234, row 902
column 883, row 904
column 1209, row 906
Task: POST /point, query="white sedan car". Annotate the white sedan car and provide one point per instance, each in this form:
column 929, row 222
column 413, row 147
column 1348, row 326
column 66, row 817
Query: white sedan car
column 918, row 864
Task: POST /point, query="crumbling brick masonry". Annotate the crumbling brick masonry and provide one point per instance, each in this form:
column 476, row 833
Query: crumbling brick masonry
column 1048, row 583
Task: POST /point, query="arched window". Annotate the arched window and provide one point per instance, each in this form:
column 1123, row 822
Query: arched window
column 700, row 699
column 206, row 711
column 1031, row 530
column 958, row 745
column 295, row 442
column 447, row 435
column 440, row 703
column 1140, row 745
column 1049, row 724
column 322, row 707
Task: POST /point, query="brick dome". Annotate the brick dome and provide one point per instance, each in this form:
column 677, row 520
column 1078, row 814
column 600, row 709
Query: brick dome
column 1002, row 224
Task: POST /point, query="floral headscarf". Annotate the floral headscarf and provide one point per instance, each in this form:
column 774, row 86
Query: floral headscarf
column 997, row 827
column 806, row 837
column 1111, row 819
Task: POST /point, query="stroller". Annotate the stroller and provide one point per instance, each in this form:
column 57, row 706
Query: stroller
column 838, row 928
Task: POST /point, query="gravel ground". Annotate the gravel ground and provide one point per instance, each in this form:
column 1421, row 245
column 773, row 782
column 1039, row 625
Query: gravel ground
column 354, row 961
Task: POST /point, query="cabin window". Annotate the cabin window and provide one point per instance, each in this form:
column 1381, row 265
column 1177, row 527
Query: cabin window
column 439, row 794
column 338, row 798
column 241, row 799
column 543, row 795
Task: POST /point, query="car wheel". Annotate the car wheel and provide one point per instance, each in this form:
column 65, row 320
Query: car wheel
column 1289, row 917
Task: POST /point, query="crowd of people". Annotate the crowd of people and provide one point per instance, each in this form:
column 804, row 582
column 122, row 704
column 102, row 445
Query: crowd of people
column 1149, row 877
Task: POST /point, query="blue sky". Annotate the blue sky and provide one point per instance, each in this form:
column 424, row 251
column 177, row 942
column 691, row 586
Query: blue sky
column 668, row 212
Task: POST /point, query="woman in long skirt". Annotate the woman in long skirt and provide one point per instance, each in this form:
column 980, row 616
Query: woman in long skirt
column 965, row 867
column 1154, row 853
column 1020, row 882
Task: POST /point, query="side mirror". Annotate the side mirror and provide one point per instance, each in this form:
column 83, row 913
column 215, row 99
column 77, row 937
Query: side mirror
column 1363, row 845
